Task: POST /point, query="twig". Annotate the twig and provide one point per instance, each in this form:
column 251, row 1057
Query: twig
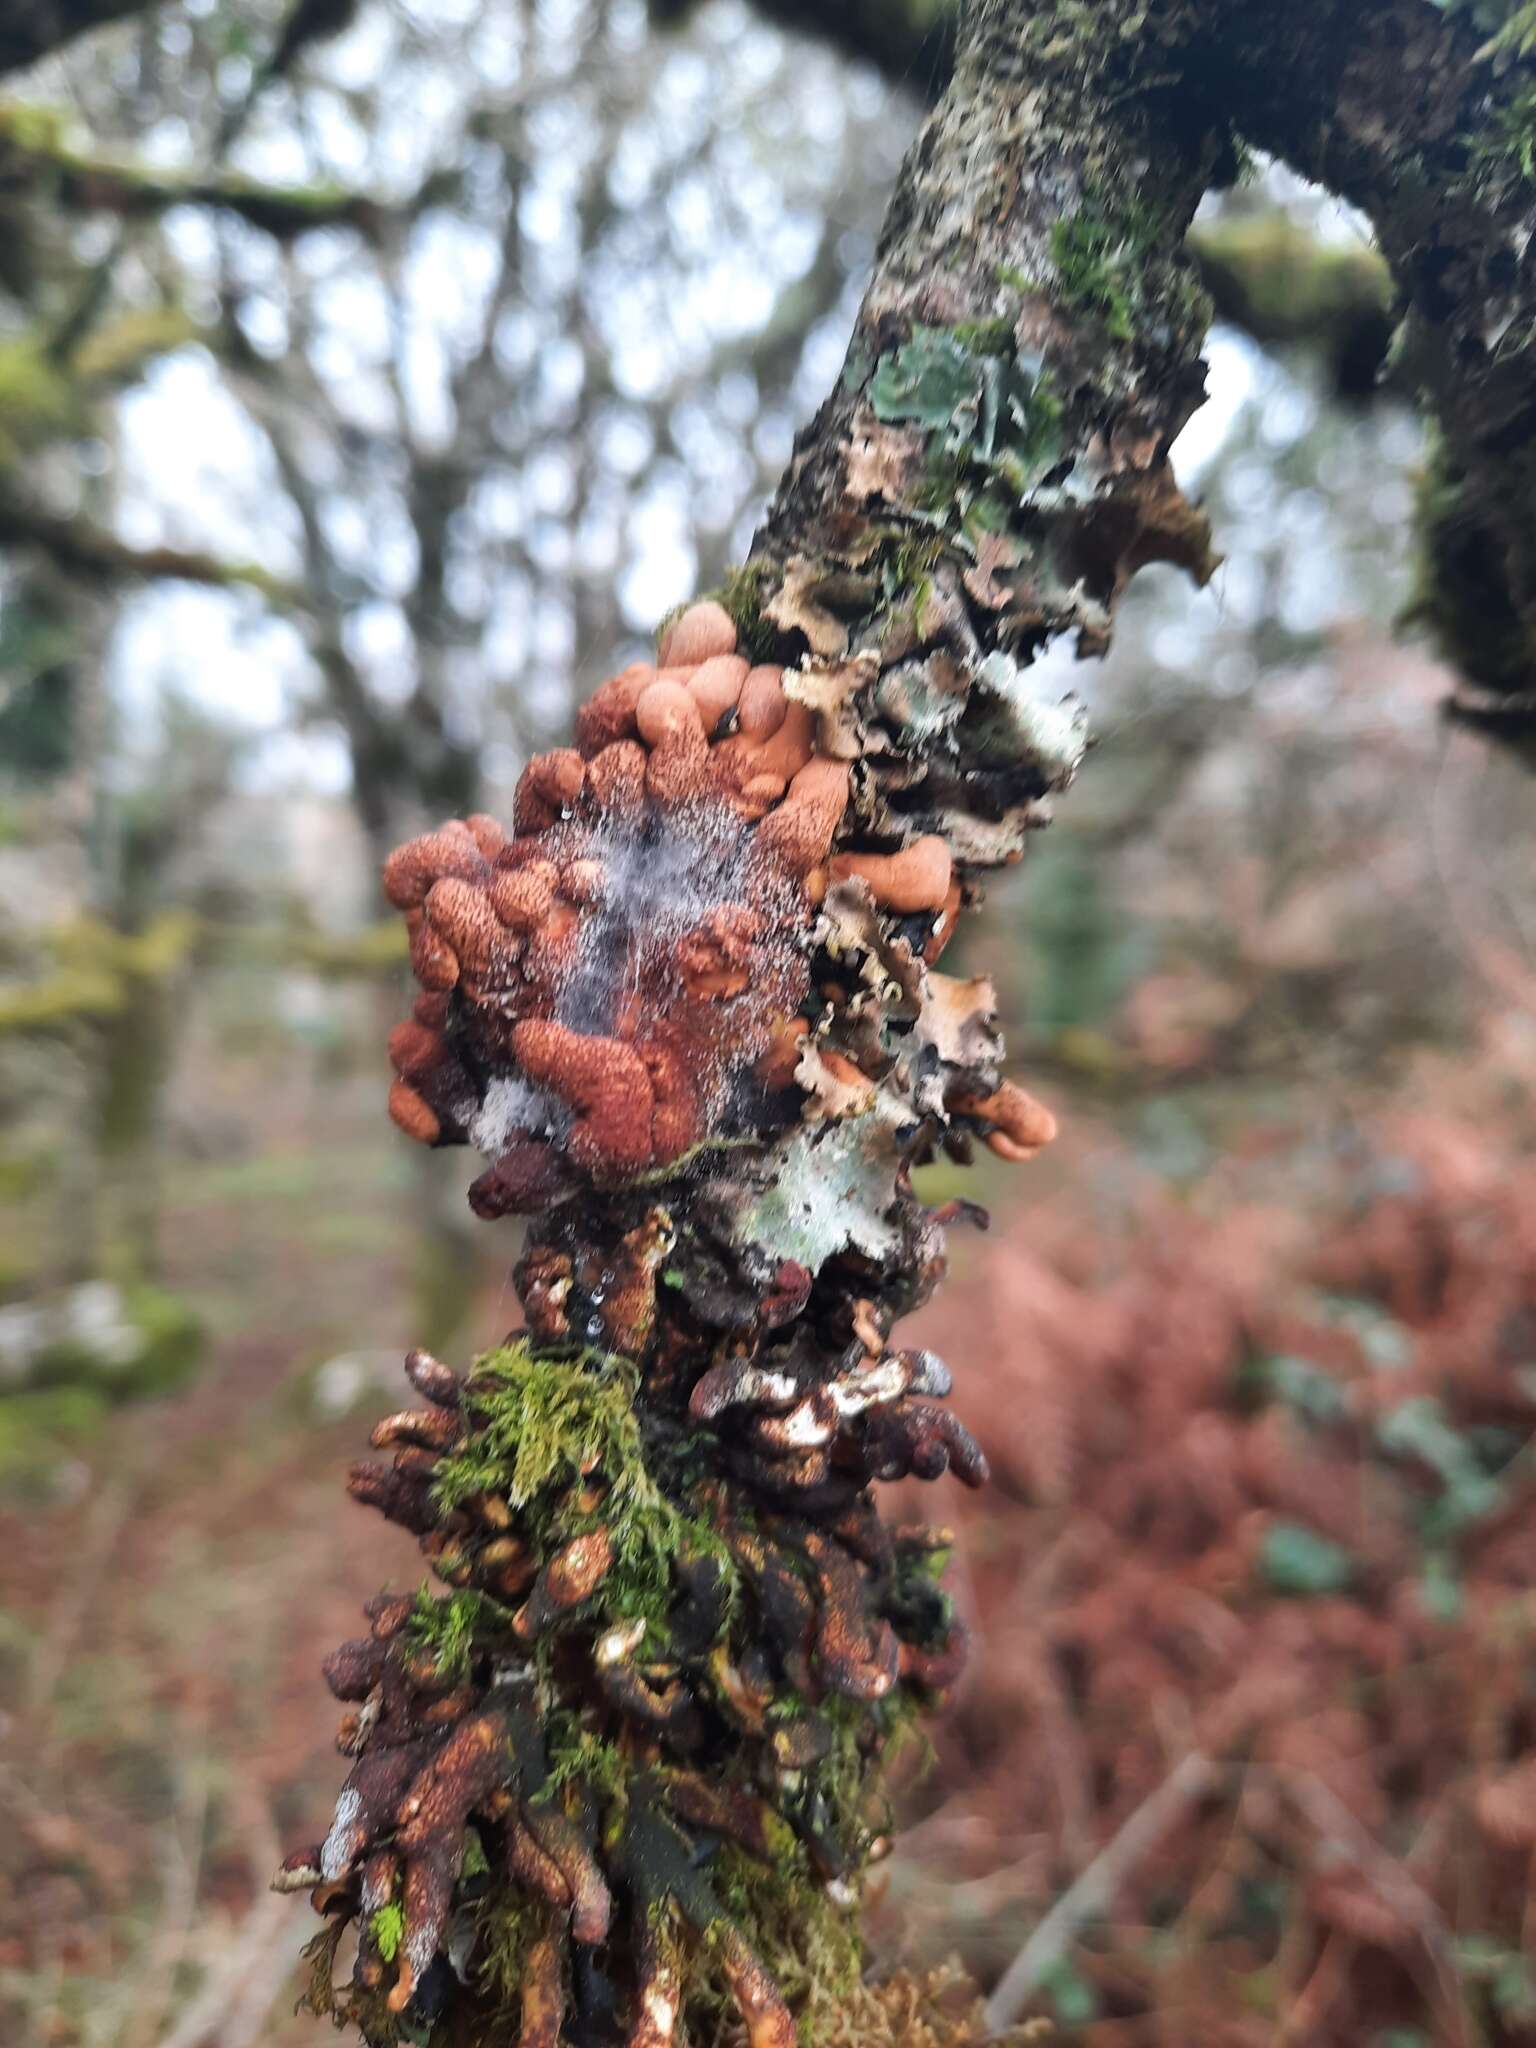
column 1091, row 1893
column 239, row 1994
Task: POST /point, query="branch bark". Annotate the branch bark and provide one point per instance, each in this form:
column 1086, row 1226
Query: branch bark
column 1405, row 109
column 80, row 546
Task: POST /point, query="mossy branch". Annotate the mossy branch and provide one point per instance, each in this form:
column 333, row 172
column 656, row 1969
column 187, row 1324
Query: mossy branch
column 1288, row 288
column 83, row 548
column 36, row 156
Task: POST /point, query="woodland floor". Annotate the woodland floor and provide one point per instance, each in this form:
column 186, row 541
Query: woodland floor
column 169, row 1594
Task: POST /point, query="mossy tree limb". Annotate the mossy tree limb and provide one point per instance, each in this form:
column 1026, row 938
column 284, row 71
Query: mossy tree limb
column 79, row 545
column 34, row 156
column 1408, row 110
column 1290, row 289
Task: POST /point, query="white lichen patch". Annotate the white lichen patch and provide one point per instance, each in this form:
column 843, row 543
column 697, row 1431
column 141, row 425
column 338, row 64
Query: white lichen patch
column 1022, row 722
column 511, row 1105
column 833, row 1186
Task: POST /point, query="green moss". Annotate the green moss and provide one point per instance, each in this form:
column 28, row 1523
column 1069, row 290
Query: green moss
column 1284, row 285
column 1510, row 25
column 120, row 347
column 576, row 1756
column 40, row 1428
column 62, row 1001
column 343, row 2005
column 449, row 1629
column 1101, row 255
column 1507, row 147
column 29, row 126
column 906, row 564
column 509, row 1921
column 37, row 401
column 377, row 949
column 97, row 967
column 542, row 1427
column 985, row 337
column 809, row 1944
column 152, row 953
column 544, row 1422
column 387, row 1927
column 742, row 596
column 1014, row 279
column 1095, row 267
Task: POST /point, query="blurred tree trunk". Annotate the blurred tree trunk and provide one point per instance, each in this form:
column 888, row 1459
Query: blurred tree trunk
column 31, row 29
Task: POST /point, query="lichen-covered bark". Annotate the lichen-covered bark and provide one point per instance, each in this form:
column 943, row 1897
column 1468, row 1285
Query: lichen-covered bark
column 625, row 1779
column 1411, row 110
column 993, row 466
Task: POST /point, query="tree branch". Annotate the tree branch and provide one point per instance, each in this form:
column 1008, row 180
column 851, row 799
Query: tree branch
column 911, row 42
column 33, row 153
column 1288, row 289
column 85, row 549
column 690, row 1009
column 1403, row 109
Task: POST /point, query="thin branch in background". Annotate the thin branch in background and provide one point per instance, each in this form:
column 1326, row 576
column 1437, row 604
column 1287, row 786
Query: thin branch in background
column 1093, row 1892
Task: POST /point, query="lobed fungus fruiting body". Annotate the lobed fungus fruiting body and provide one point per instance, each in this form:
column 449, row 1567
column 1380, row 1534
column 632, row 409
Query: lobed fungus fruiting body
column 626, row 1774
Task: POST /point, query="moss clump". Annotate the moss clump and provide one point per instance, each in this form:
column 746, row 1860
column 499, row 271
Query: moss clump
column 576, row 1756
column 542, row 1430
column 742, row 596
column 71, row 997
column 451, row 1629
column 508, row 1923
column 1510, row 25
column 119, row 349
column 809, row 1943
column 1285, row 284
column 343, row 2005
column 1095, row 267
column 1101, row 258
column 37, row 401
column 940, row 2009
column 1506, row 149
column 543, row 1424
column 546, row 1422
column 387, row 1928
